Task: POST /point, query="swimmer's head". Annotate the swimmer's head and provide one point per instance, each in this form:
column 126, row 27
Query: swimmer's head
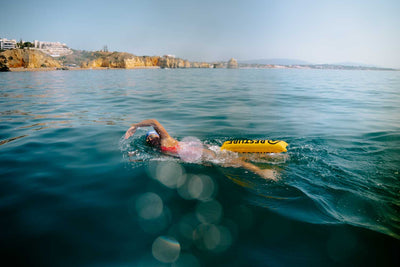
column 153, row 139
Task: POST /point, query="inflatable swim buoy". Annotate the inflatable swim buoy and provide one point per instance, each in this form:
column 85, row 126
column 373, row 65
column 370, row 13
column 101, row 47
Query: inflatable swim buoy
column 255, row 146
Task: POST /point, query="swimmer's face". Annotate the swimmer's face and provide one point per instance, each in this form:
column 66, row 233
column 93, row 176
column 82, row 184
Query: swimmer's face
column 153, row 140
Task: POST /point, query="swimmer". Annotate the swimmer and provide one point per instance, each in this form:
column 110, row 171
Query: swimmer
column 160, row 138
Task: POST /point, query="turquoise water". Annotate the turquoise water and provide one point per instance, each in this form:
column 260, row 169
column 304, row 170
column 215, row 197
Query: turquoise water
column 73, row 192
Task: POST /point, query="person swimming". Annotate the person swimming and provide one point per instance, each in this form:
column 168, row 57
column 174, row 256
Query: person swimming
column 160, row 138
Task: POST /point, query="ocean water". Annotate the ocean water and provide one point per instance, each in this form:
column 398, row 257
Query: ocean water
column 74, row 192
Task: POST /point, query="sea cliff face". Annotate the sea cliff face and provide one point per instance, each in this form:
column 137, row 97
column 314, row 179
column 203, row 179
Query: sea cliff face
column 233, row 64
column 34, row 59
column 107, row 60
column 29, row 58
column 169, row 62
column 3, row 63
column 201, row 65
column 141, row 62
column 130, row 61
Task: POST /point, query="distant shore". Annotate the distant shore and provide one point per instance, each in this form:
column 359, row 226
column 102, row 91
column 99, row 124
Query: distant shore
column 21, row 60
column 156, row 67
column 75, row 68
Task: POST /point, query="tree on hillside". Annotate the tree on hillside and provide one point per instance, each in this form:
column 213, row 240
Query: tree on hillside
column 21, row 44
column 28, row 44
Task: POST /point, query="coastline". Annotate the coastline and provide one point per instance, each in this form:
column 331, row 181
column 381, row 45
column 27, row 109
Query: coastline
column 31, row 69
column 22, row 60
column 21, row 69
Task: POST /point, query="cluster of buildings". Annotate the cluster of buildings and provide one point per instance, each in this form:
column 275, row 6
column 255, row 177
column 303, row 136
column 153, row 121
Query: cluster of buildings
column 54, row 49
column 7, row 44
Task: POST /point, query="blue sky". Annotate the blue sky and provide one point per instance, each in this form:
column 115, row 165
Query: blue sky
column 316, row 31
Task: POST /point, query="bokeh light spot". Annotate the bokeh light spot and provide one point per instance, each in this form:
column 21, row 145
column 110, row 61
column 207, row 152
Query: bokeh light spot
column 190, row 149
column 166, row 249
column 149, row 206
column 209, row 212
column 170, row 174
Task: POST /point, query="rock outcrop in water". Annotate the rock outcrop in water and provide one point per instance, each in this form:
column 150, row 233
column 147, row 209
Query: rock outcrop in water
column 233, row 64
column 201, row 65
column 28, row 58
column 170, row 62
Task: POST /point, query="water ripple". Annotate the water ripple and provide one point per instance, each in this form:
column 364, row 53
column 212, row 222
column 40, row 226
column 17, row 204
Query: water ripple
column 61, row 143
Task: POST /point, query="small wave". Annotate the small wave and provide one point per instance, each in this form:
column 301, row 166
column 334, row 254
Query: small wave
column 12, row 139
column 351, row 178
column 382, row 136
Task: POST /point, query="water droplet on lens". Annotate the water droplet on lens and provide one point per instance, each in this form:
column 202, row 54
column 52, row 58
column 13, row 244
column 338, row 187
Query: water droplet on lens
column 209, row 212
column 199, row 187
column 149, row 206
column 212, row 237
column 170, row 174
column 166, row 249
column 195, row 186
column 209, row 188
column 191, row 149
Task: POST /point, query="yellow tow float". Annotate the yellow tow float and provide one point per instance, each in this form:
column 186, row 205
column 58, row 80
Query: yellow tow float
column 255, row 146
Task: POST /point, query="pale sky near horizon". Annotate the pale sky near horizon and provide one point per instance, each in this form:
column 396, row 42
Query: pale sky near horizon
column 324, row 31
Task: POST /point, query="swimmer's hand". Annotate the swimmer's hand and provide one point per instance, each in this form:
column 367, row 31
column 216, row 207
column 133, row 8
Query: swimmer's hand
column 130, row 132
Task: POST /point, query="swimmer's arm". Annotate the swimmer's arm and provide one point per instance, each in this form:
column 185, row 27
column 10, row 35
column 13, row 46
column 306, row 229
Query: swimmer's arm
column 151, row 122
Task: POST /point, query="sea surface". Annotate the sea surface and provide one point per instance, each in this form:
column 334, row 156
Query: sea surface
column 74, row 192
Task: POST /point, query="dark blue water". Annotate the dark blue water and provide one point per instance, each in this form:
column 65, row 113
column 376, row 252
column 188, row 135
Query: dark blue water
column 73, row 192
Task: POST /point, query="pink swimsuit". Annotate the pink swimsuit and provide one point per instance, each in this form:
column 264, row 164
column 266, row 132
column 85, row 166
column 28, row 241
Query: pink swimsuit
column 170, row 149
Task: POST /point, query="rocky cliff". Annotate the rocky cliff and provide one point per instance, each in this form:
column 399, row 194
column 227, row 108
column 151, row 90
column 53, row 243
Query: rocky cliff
column 232, row 64
column 3, row 64
column 115, row 60
column 171, row 62
column 29, row 58
column 130, row 61
column 141, row 62
column 201, row 65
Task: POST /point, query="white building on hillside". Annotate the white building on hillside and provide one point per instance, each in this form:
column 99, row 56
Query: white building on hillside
column 54, row 49
column 7, row 44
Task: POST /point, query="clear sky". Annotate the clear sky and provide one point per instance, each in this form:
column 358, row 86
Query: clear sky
column 364, row 31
